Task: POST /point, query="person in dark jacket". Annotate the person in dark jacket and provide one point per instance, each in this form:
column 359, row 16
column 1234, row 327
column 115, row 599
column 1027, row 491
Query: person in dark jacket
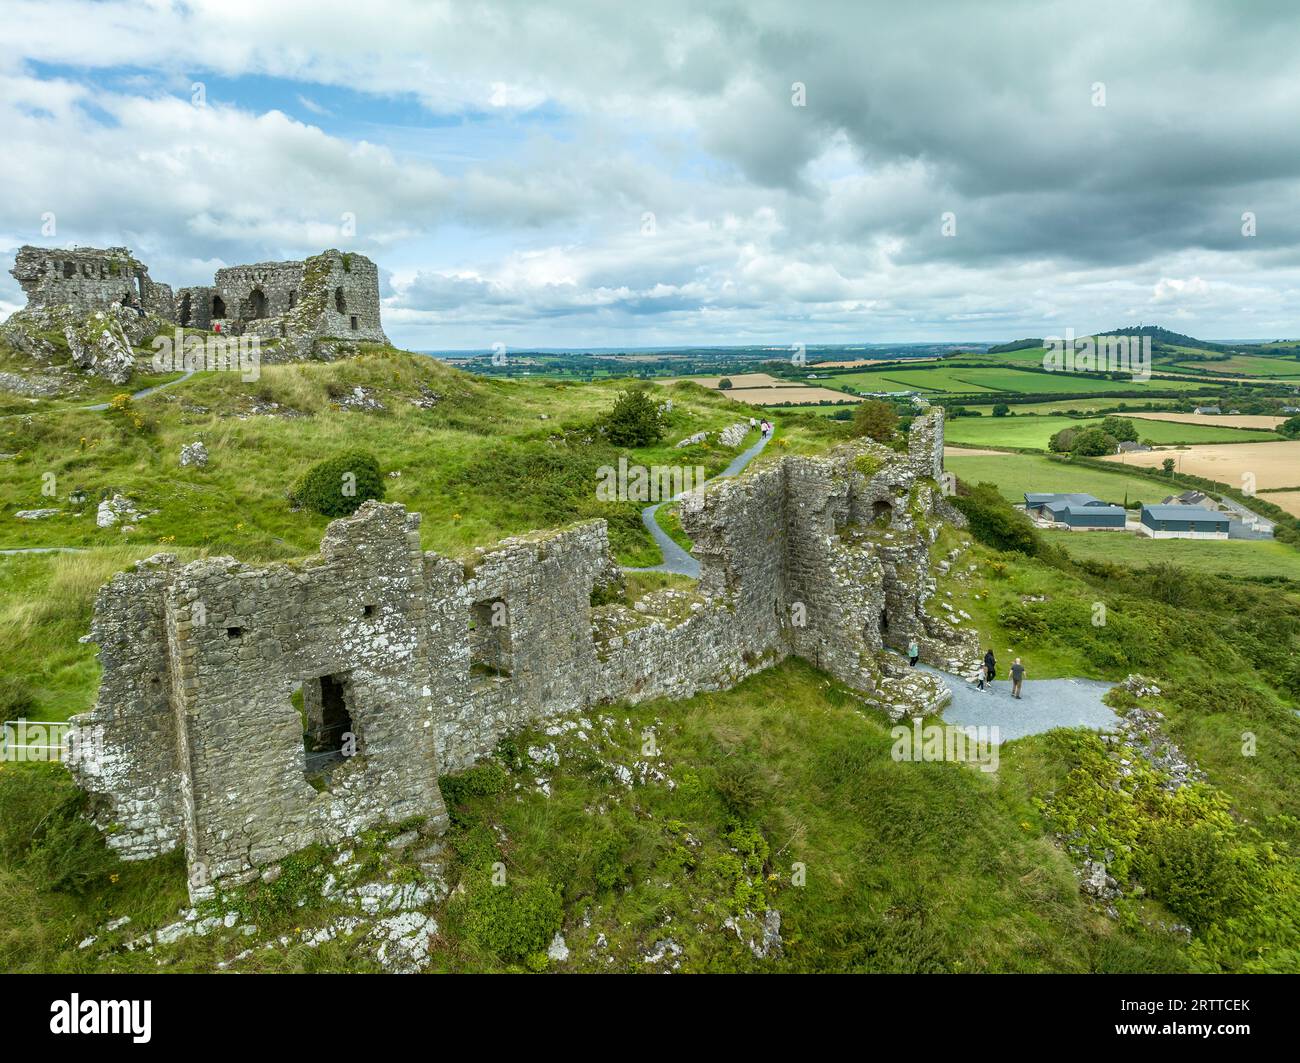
column 990, row 665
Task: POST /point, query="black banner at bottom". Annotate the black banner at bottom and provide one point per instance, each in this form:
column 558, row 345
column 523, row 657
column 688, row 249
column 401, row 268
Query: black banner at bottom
column 358, row 1011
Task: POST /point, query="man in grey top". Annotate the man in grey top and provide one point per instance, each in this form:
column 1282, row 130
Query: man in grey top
column 1017, row 677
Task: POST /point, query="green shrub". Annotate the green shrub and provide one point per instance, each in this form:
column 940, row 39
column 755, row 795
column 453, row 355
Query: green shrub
column 337, row 486
column 738, row 786
column 1195, row 871
column 482, row 780
column 515, row 921
column 994, row 523
column 610, row 868
column 635, row 420
column 875, row 420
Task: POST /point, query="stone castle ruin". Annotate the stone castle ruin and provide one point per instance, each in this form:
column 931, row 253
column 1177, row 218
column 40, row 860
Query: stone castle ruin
column 318, row 307
column 88, row 279
column 247, row 712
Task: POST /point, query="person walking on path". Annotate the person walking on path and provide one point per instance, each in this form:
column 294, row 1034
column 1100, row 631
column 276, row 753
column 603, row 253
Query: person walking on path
column 913, row 652
column 983, row 674
column 1017, row 677
column 990, row 665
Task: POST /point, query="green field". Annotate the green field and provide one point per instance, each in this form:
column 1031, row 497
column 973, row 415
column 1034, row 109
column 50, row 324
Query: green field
column 1247, row 365
column 1082, row 405
column 1034, row 432
column 1238, row 558
column 1015, row 474
column 963, row 380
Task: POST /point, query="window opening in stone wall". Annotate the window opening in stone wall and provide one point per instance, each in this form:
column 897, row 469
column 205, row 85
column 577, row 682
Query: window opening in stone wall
column 185, row 309
column 354, row 322
column 879, row 510
column 293, row 298
column 489, row 638
column 339, row 304
column 328, row 734
column 218, row 307
column 257, row 304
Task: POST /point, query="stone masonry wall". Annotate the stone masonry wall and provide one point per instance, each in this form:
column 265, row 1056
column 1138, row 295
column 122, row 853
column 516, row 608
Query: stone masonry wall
column 88, row 278
column 436, row 660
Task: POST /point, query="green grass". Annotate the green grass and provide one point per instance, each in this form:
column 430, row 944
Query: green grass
column 1243, row 559
column 492, row 458
column 921, row 867
column 1033, row 432
column 1016, row 474
column 1245, row 365
column 947, row 379
column 1081, row 405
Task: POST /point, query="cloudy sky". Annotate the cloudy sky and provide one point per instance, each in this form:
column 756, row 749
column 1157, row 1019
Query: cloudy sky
column 586, row 174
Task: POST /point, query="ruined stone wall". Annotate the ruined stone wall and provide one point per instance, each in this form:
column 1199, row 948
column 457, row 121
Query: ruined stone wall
column 135, row 775
column 320, row 307
column 88, row 278
column 436, row 660
column 193, row 307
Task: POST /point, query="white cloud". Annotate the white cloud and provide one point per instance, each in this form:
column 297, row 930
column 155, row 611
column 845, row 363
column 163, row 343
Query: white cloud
column 558, row 127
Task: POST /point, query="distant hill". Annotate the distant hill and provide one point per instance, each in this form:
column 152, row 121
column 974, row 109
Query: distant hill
column 1165, row 336
column 1016, row 345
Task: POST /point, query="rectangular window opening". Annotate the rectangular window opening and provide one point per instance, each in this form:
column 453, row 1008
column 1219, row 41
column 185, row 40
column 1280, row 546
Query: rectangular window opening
column 328, row 733
column 489, row 638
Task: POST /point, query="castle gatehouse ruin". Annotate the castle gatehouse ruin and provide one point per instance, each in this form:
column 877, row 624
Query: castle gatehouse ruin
column 247, row 712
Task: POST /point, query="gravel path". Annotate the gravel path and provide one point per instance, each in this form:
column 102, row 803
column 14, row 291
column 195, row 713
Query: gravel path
column 146, row 391
column 1045, row 704
column 675, row 558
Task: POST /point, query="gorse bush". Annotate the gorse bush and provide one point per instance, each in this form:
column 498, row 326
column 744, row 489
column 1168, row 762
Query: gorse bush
column 875, row 420
column 337, row 486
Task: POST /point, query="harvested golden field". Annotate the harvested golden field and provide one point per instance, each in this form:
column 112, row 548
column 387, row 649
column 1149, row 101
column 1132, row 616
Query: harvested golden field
column 1240, row 420
column 1272, row 464
column 1288, row 500
column 740, row 380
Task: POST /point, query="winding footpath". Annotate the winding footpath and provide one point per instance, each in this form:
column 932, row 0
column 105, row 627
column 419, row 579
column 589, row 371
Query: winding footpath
column 147, row 391
column 676, row 559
